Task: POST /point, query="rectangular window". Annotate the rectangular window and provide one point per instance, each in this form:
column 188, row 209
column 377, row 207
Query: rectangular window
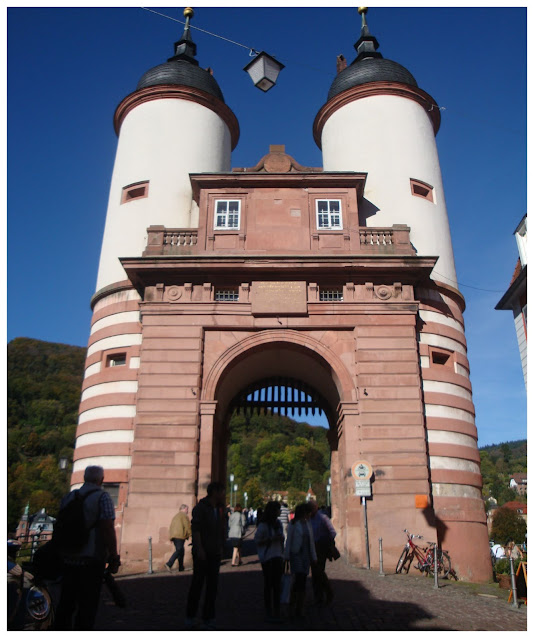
column 441, row 357
column 328, row 213
column 331, row 294
column 118, row 359
column 227, row 213
column 113, row 490
column 134, row 191
column 420, row 189
column 227, row 294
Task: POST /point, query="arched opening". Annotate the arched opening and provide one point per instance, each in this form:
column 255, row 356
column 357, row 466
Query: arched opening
column 283, row 379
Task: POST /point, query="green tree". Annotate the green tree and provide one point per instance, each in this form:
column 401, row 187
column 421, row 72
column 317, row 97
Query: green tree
column 508, row 524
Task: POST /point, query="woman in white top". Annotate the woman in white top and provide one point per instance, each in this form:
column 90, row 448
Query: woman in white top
column 236, row 530
column 300, row 551
column 269, row 539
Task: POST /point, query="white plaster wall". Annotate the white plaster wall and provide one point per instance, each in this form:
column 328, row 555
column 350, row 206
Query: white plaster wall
column 117, row 297
column 108, row 388
column 521, row 339
column 117, row 341
column 447, row 412
column 93, row 369
column 447, row 463
column 161, row 142
column 450, row 489
column 107, row 462
column 112, row 320
column 442, row 342
column 455, row 438
column 392, row 139
column 459, row 369
column 437, row 317
column 107, row 412
column 107, row 436
column 447, row 388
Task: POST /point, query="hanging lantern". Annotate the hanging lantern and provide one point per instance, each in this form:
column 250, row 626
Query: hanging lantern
column 264, row 70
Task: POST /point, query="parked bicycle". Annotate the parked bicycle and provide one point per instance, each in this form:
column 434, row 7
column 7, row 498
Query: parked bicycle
column 424, row 557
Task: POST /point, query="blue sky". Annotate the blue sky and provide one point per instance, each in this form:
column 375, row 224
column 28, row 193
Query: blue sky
column 68, row 69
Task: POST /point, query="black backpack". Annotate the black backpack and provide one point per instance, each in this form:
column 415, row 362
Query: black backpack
column 71, row 532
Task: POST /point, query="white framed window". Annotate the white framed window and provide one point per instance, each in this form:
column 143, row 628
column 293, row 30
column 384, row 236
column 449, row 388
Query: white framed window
column 328, row 213
column 227, row 294
column 227, row 214
column 331, row 294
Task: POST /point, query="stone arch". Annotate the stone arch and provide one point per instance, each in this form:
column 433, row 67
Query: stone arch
column 314, row 349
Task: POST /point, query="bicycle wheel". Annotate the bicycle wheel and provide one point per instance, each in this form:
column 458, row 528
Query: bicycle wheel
column 444, row 564
column 402, row 561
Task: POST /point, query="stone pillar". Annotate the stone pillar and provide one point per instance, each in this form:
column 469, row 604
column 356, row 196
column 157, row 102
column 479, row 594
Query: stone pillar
column 205, row 453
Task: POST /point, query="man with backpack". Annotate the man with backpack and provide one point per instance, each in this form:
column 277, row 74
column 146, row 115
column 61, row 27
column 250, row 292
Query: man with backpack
column 84, row 535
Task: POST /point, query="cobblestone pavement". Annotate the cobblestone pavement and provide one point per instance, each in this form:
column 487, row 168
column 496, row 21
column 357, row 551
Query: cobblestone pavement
column 363, row 600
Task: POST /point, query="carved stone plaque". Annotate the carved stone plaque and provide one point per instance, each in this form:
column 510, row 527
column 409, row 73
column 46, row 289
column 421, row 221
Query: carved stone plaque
column 278, row 298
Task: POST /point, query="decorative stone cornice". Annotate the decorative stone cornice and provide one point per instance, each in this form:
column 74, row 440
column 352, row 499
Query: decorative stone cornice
column 170, row 91
column 372, row 89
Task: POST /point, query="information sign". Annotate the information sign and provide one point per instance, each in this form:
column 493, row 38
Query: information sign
column 362, row 470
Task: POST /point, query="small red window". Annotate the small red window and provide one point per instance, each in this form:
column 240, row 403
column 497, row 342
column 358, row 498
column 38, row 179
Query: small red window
column 441, row 357
column 420, row 189
column 134, row 191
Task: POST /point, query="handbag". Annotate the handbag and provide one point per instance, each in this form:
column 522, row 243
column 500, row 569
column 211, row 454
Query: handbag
column 333, row 552
column 285, row 589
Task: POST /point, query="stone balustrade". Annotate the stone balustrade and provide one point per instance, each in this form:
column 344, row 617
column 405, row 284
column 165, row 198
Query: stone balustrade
column 186, row 241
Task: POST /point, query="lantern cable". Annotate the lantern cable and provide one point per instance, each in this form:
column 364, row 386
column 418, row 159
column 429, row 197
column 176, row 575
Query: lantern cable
column 251, row 49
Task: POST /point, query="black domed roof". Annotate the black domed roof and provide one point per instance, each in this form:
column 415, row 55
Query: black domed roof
column 372, row 69
column 183, row 73
column 369, row 66
column 182, row 69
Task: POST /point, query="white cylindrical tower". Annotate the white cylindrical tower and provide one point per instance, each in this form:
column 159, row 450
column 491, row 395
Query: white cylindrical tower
column 377, row 120
column 174, row 124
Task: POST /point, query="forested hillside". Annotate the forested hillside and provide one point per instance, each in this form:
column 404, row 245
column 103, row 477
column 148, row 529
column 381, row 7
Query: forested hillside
column 43, row 393
column 497, row 464
column 266, row 453
column 269, row 453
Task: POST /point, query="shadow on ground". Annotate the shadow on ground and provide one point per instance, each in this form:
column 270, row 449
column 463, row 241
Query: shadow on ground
column 157, row 602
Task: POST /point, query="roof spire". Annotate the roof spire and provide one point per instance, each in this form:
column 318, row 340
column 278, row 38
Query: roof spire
column 367, row 45
column 185, row 49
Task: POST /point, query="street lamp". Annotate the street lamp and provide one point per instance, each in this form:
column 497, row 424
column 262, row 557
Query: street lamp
column 245, row 496
column 264, row 70
column 231, row 488
column 328, row 490
column 235, row 490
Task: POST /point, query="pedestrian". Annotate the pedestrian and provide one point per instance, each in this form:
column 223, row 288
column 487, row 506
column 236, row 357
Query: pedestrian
column 208, row 525
column 179, row 532
column 236, row 530
column 498, row 551
column 300, row 551
column 83, row 568
column 323, row 535
column 284, row 517
column 269, row 539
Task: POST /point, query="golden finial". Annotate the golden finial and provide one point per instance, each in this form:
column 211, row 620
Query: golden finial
column 362, row 10
column 188, row 12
